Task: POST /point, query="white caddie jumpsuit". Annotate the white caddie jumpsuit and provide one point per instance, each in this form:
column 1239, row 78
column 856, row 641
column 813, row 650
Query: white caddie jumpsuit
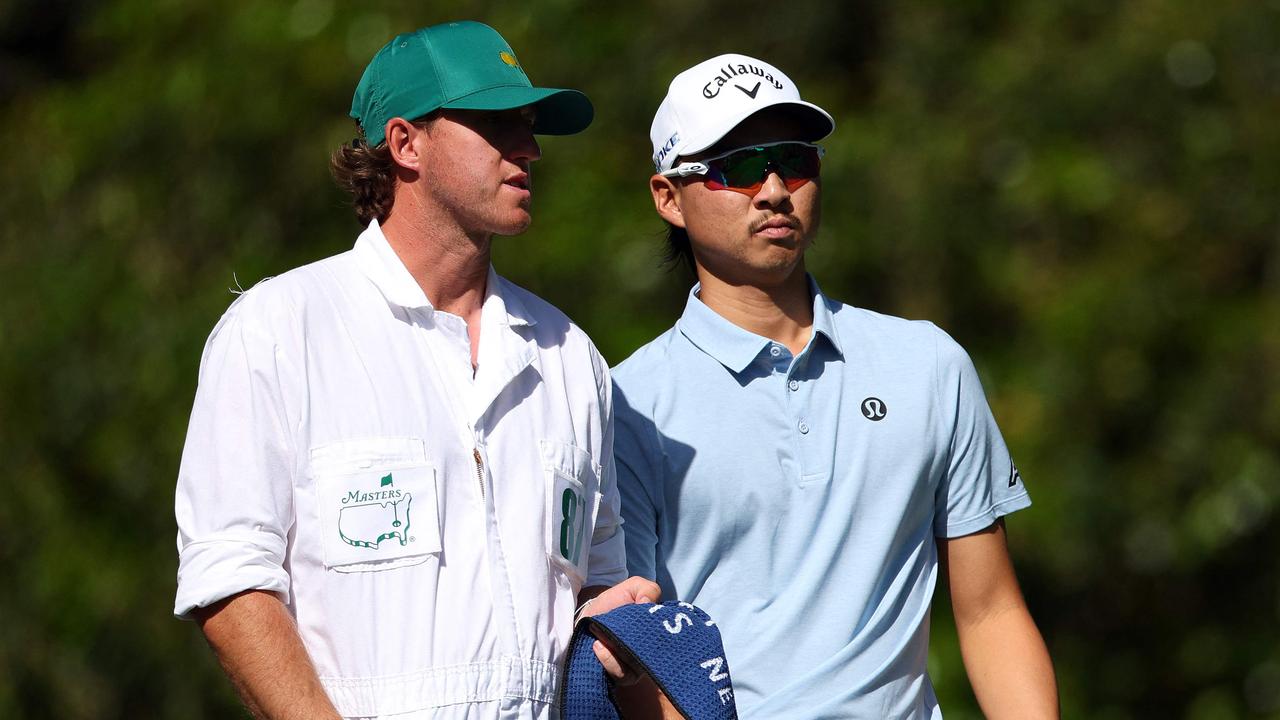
column 429, row 530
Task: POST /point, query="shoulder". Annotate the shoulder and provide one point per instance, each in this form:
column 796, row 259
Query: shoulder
column 279, row 303
column 641, row 380
column 895, row 336
column 643, row 385
column 647, row 362
column 880, row 326
column 909, row 350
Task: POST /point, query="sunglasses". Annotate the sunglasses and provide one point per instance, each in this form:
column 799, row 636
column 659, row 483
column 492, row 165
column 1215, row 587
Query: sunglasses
column 745, row 170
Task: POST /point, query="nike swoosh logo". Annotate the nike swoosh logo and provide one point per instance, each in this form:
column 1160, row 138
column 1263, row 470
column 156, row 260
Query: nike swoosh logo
column 749, row 93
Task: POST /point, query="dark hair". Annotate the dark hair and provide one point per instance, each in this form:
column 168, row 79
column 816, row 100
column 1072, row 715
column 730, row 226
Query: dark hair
column 677, row 250
column 368, row 174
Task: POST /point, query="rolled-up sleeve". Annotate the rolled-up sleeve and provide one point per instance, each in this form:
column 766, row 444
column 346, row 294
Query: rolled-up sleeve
column 606, row 565
column 234, row 499
column 607, row 561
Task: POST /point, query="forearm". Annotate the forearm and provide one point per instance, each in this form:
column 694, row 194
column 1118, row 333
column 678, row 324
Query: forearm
column 1009, row 666
column 257, row 643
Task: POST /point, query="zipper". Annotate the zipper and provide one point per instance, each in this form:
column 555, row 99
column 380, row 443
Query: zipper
column 479, row 470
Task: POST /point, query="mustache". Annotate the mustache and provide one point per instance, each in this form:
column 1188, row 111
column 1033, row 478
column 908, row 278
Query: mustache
column 775, row 220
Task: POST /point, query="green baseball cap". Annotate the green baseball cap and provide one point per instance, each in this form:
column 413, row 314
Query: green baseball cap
column 461, row 65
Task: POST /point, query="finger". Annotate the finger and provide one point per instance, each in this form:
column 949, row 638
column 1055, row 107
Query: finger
column 648, row 590
column 616, row 670
column 607, row 659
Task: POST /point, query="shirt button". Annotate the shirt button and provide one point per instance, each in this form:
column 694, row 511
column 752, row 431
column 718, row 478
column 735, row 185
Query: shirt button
column 775, row 351
column 794, row 385
column 804, row 427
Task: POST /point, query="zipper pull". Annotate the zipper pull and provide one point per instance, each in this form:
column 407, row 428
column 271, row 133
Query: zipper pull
column 475, row 452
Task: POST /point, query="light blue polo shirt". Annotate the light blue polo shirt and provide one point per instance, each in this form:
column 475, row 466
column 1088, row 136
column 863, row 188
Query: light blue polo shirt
column 796, row 499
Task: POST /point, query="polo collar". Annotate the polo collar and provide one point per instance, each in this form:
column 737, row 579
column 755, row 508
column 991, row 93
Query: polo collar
column 736, row 348
column 380, row 263
column 824, row 323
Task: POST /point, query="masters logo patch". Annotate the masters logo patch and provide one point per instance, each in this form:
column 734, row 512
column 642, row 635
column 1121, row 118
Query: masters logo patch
column 375, row 500
column 367, row 518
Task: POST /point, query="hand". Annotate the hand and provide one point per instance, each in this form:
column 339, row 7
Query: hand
column 634, row 589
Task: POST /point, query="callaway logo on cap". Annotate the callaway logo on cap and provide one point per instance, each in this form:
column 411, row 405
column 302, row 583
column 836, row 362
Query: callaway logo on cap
column 461, row 65
column 709, row 99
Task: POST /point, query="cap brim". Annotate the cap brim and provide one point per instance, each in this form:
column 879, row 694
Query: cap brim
column 814, row 122
column 560, row 112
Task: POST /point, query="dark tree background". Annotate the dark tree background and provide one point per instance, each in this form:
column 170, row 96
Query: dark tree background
column 1083, row 193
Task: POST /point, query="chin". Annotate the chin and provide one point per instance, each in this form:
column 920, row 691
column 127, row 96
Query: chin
column 515, row 227
column 782, row 254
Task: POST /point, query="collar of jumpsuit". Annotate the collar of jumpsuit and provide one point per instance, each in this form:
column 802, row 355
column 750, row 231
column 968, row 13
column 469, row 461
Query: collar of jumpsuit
column 471, row 389
column 379, row 262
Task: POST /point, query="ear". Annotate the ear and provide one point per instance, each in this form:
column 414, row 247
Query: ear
column 401, row 141
column 666, row 199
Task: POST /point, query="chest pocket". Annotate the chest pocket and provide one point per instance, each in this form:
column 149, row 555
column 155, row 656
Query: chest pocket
column 573, row 499
column 377, row 501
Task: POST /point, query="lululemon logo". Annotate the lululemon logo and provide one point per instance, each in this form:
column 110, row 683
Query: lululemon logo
column 874, row 409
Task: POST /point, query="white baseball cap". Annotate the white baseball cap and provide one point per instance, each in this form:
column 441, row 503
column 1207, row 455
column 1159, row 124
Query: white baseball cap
column 709, row 99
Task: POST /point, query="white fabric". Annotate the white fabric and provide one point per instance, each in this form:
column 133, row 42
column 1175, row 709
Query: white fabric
column 331, row 458
column 709, row 99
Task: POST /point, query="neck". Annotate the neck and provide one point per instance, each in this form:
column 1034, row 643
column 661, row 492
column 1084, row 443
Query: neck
column 782, row 312
column 450, row 266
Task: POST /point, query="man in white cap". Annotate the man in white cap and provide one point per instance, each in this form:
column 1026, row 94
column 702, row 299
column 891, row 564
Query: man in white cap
column 800, row 468
column 398, row 479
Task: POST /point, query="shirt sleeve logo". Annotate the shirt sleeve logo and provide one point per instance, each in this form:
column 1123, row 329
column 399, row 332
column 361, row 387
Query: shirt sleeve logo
column 1015, row 477
column 369, row 517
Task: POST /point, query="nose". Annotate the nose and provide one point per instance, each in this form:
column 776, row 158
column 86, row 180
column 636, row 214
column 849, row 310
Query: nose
column 524, row 146
column 773, row 193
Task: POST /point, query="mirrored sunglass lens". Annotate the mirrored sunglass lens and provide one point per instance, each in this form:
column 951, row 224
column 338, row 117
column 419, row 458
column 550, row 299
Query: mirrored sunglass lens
column 746, row 168
column 743, row 168
column 795, row 183
column 799, row 162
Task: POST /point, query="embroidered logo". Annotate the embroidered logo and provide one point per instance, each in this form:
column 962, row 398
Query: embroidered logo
column 730, row 71
column 509, row 59
column 1015, row 477
column 874, row 409
column 368, row 517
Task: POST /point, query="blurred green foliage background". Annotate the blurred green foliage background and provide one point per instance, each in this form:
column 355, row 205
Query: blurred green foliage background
column 1083, row 193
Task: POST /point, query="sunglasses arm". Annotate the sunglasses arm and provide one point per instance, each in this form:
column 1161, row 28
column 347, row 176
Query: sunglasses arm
column 686, row 169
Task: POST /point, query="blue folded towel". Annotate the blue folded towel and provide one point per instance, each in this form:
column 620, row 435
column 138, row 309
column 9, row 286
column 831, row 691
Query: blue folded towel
column 675, row 642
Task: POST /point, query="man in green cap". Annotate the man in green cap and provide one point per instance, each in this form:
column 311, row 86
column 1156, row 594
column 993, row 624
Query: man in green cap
column 398, row 482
